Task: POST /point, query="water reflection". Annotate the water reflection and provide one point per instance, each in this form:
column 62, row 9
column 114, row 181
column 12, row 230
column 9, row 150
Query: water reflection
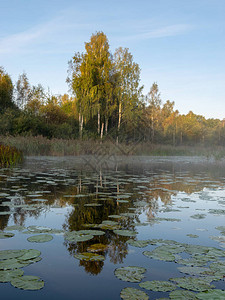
column 32, row 192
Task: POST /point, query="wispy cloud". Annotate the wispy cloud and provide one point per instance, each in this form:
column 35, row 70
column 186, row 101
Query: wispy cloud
column 166, row 31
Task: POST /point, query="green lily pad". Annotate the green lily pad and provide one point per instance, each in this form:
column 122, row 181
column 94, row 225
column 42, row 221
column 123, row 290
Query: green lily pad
column 12, row 263
column 41, row 238
column 212, row 295
column 133, row 294
column 7, row 254
column 130, row 274
column 29, row 254
column 76, row 236
column 125, row 232
column 15, row 227
column 193, row 270
column 160, row 255
column 181, row 294
column 198, row 216
column 192, row 235
column 192, row 283
column 89, row 256
column 91, row 232
column 39, row 229
column 139, row 244
column 97, row 248
column 28, row 283
column 8, row 275
column 158, row 286
column 220, row 212
column 6, row 235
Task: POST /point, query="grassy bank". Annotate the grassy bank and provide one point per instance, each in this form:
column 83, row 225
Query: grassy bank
column 9, row 156
column 59, row 147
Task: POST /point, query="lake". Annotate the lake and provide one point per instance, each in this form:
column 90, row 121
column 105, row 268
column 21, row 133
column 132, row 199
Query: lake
column 90, row 219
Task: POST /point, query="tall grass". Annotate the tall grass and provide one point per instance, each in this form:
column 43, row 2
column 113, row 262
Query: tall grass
column 9, row 156
column 40, row 145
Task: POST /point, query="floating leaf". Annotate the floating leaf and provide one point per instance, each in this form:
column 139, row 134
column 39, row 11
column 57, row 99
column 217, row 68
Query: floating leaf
column 192, row 283
column 8, row 275
column 192, row 235
column 131, row 274
column 97, row 248
column 91, row 232
column 15, row 227
column 89, row 256
column 160, row 255
column 6, row 235
column 133, row 294
column 7, row 254
column 198, row 216
column 29, row 254
column 139, row 244
column 193, row 270
column 212, row 294
column 181, row 294
column 76, row 236
column 39, row 229
column 28, row 283
column 125, row 232
column 158, row 286
column 41, row 238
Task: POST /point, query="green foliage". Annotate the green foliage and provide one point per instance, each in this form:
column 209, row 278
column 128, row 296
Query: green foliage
column 6, row 91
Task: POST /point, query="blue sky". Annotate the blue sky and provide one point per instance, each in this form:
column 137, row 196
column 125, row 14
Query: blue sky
column 180, row 44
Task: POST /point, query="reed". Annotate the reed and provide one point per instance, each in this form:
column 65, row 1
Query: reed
column 9, row 156
column 39, row 145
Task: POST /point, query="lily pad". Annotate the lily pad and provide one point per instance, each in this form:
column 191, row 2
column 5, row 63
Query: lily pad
column 8, row 275
column 7, row 254
column 192, row 283
column 89, row 256
column 41, row 238
column 212, row 294
column 139, row 244
column 91, row 232
column 133, row 294
column 158, row 286
column 29, row 254
column 194, row 236
column 39, row 229
column 15, row 227
column 28, row 283
column 198, row 216
column 125, row 232
column 130, row 274
column 6, row 235
column 76, row 236
column 193, row 270
column 97, row 248
column 181, row 294
column 160, row 255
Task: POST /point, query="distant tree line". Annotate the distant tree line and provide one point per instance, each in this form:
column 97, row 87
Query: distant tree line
column 106, row 100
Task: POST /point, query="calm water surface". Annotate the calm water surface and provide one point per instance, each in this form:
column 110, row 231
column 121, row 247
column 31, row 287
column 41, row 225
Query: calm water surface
column 155, row 197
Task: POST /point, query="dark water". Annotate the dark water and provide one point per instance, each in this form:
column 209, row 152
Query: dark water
column 53, row 192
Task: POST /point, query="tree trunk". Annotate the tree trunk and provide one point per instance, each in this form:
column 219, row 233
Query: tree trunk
column 102, row 129
column 119, row 122
column 106, row 125
column 98, row 120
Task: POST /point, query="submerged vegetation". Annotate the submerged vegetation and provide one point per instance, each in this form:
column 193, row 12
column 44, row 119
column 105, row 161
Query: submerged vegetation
column 9, row 156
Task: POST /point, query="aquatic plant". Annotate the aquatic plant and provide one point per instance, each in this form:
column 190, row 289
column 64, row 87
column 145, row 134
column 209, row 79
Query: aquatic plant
column 9, row 156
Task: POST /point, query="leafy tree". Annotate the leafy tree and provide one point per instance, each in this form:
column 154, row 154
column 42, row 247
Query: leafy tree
column 6, row 91
column 23, row 91
column 128, row 90
column 154, row 101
